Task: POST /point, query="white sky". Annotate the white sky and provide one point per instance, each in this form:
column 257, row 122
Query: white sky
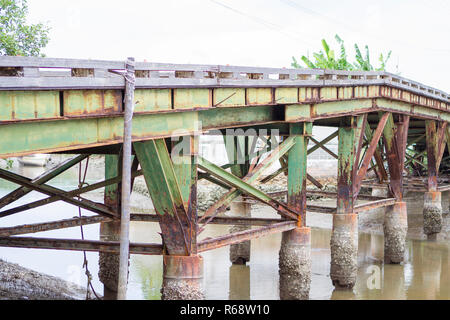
column 257, row 33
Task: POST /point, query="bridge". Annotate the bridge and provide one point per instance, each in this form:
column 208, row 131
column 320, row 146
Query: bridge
column 395, row 128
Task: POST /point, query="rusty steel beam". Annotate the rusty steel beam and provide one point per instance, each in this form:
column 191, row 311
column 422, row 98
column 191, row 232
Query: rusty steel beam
column 216, row 220
column 71, row 193
column 349, row 138
column 369, row 154
column 79, row 245
column 435, row 133
column 374, row 204
column 325, row 194
column 52, row 191
column 393, row 143
column 170, row 194
column 246, row 188
column 322, row 146
column 297, row 164
column 233, row 238
column 43, row 178
column 53, row 225
column 311, row 150
column 233, row 193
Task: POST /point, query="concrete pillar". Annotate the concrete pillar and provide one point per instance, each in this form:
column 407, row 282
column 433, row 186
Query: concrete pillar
column 344, row 250
column 295, row 264
column 395, row 229
column 240, row 252
column 182, row 278
column 432, row 214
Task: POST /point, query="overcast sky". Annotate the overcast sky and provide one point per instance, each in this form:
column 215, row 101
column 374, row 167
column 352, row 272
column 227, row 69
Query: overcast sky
column 251, row 32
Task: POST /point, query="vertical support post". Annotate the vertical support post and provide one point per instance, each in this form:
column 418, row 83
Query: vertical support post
column 295, row 252
column 395, row 219
column 126, row 181
column 344, row 237
column 432, row 206
column 172, row 186
column 110, row 231
column 237, row 150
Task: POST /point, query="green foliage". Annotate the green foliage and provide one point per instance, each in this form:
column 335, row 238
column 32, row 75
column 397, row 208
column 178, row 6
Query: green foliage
column 8, row 163
column 326, row 59
column 16, row 37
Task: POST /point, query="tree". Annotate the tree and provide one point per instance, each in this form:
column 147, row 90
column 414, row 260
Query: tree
column 326, row 59
column 17, row 38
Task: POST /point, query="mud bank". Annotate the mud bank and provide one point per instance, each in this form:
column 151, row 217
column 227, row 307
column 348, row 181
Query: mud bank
column 19, row 283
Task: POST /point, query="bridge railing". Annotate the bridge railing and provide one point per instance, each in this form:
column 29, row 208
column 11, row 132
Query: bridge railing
column 31, row 73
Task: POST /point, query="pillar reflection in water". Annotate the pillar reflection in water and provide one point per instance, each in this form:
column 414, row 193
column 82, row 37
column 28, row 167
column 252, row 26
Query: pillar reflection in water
column 239, row 282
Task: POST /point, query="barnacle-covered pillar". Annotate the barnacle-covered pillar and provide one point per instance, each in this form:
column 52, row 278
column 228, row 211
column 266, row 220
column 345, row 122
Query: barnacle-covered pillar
column 171, row 177
column 344, row 237
column 295, row 251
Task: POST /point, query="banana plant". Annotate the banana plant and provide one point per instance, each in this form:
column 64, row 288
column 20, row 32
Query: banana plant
column 326, row 59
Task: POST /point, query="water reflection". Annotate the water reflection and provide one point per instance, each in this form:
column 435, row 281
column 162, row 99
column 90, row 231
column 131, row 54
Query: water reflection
column 239, row 282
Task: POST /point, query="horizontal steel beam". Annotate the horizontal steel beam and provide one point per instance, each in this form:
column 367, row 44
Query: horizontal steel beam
column 79, row 245
column 233, row 238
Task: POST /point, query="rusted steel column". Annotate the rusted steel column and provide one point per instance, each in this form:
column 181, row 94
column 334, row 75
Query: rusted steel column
column 295, row 252
column 183, row 278
column 395, row 219
column 172, row 188
column 110, row 231
column 237, row 148
column 432, row 214
column 395, row 229
column 432, row 206
column 344, row 237
column 295, row 264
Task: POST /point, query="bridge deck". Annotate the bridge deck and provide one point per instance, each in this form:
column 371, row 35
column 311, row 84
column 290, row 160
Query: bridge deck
column 56, row 105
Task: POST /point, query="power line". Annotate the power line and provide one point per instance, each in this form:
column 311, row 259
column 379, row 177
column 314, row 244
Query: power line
column 296, row 5
column 264, row 22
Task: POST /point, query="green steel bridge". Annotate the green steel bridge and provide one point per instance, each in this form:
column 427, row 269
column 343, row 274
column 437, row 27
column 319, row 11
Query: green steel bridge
column 388, row 125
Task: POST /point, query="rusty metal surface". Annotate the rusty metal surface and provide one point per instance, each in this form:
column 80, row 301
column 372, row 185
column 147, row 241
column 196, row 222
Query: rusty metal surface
column 183, row 267
column 237, row 237
column 78, row 245
column 54, row 225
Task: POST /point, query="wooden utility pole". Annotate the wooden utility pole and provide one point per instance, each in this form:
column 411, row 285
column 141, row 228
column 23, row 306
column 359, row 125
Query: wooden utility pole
column 126, row 180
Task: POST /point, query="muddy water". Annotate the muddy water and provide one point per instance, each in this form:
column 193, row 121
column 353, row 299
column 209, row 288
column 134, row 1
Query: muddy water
column 424, row 275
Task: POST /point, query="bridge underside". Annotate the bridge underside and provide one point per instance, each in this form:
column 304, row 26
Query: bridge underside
column 397, row 133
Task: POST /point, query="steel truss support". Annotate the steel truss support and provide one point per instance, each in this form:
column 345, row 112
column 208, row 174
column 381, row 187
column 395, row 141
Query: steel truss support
column 172, row 190
column 284, row 166
column 436, row 138
column 221, row 205
column 52, row 191
column 246, row 188
column 71, row 193
column 43, row 178
column 297, row 159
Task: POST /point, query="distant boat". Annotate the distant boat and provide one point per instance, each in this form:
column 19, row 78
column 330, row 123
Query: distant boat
column 37, row 160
